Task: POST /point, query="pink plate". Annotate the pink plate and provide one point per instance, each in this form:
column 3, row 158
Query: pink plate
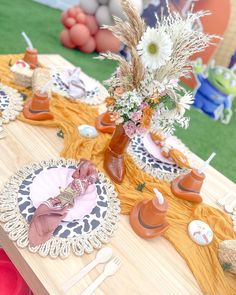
column 46, row 185
column 155, row 150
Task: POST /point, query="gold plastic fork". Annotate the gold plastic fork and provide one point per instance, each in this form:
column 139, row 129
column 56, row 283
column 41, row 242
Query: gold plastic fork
column 109, row 270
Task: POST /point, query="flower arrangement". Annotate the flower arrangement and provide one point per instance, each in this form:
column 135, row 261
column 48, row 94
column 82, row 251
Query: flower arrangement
column 145, row 93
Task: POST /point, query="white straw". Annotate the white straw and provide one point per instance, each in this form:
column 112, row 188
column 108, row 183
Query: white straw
column 159, row 196
column 207, row 162
column 46, row 86
column 27, row 40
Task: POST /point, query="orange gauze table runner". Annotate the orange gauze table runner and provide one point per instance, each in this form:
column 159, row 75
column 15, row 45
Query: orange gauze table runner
column 202, row 261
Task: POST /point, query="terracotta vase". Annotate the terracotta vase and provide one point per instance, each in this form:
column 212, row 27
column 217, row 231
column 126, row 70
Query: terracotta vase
column 114, row 155
column 37, row 108
column 147, row 218
column 188, row 186
column 31, row 57
column 105, row 124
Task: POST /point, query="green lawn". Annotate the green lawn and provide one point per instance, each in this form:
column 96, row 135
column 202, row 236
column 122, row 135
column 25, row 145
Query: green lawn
column 43, row 26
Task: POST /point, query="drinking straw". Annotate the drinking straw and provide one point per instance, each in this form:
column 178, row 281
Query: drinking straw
column 27, row 40
column 159, row 196
column 206, row 163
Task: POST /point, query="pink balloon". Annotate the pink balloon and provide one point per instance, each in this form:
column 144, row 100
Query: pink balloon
column 70, row 22
column 89, row 47
column 81, row 18
column 79, row 34
column 92, row 24
column 64, row 16
column 65, row 39
column 106, row 41
column 72, row 12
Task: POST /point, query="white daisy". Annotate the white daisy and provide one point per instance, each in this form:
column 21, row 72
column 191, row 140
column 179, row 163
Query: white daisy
column 155, row 48
column 184, row 103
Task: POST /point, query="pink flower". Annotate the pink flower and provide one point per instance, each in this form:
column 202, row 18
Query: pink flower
column 136, row 116
column 130, row 129
column 143, row 106
column 141, row 131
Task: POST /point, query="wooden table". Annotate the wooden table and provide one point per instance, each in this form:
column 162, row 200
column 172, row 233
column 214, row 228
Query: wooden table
column 149, row 267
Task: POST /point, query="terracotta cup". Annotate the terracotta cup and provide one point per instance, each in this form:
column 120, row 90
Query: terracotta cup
column 31, row 57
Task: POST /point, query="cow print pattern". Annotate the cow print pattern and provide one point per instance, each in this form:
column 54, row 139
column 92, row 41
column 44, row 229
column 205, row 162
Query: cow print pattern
column 137, row 147
column 61, row 87
column 4, row 100
column 84, row 226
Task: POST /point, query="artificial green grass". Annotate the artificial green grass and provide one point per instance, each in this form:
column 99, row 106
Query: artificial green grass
column 43, row 26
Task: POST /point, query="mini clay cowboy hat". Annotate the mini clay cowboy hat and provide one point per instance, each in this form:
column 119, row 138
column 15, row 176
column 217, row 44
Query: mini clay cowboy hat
column 37, row 108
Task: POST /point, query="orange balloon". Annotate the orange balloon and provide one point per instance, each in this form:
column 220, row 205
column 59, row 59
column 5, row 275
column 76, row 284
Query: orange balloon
column 79, row 34
column 64, row 16
column 89, row 47
column 65, row 39
column 92, row 24
column 69, row 22
column 72, row 12
column 80, row 18
column 106, row 41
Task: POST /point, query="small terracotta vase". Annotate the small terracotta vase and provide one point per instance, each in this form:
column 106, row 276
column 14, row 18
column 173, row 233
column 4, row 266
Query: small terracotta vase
column 31, row 57
column 114, row 155
column 37, row 108
column 188, row 186
column 147, row 218
column 105, row 124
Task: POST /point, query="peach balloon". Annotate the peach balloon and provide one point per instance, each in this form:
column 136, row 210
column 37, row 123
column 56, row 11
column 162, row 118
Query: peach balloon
column 78, row 9
column 69, row 22
column 106, row 41
column 89, row 47
column 64, row 16
column 65, row 39
column 81, row 18
column 79, row 34
column 72, row 12
column 92, row 24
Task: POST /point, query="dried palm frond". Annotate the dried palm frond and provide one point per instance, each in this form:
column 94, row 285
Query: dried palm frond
column 130, row 31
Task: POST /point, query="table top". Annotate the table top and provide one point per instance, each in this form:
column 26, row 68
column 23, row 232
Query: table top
column 148, row 266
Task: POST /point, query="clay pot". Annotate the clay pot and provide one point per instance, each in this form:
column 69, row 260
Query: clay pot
column 31, row 57
column 105, row 124
column 188, row 186
column 114, row 155
column 37, row 108
column 147, row 218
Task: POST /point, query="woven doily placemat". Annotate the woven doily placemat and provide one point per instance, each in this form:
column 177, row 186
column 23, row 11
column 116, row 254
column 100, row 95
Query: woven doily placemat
column 11, row 103
column 95, row 96
column 151, row 165
column 79, row 236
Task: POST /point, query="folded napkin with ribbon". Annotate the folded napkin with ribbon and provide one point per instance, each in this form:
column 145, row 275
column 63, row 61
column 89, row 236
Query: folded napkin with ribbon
column 170, row 150
column 73, row 80
column 51, row 212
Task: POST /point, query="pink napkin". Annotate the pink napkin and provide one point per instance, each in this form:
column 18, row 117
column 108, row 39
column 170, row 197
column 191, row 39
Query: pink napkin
column 51, row 212
column 72, row 79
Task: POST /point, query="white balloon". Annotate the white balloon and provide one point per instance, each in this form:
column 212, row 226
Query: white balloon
column 115, row 7
column 103, row 16
column 89, row 6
